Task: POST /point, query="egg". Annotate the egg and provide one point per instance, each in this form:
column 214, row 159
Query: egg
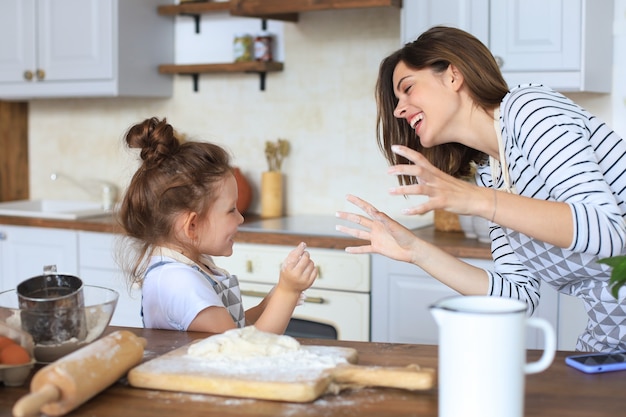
column 14, row 354
column 5, row 341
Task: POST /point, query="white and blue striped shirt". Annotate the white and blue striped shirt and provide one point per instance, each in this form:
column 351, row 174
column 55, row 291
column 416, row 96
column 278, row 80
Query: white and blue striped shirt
column 555, row 150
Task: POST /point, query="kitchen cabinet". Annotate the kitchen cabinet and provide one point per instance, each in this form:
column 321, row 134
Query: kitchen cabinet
column 402, row 294
column 567, row 45
column 339, row 299
column 572, row 321
column 84, row 48
column 97, row 265
column 24, row 251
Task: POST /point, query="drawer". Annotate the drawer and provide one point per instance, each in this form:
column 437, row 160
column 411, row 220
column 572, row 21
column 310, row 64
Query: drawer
column 337, row 270
column 347, row 312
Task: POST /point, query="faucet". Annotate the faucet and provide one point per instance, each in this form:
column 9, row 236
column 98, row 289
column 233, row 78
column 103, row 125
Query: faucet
column 105, row 190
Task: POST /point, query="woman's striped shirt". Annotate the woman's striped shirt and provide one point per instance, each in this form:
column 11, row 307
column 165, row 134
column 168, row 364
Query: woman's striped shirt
column 555, row 150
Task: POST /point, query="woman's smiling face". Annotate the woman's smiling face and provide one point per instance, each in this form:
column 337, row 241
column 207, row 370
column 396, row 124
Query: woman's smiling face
column 426, row 100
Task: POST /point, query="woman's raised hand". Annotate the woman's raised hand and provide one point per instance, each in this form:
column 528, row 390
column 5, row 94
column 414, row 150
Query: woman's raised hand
column 443, row 191
column 386, row 236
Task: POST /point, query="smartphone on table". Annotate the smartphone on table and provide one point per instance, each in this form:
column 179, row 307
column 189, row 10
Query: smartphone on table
column 593, row 363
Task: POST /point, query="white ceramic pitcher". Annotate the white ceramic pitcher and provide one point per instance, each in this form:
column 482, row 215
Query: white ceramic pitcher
column 482, row 355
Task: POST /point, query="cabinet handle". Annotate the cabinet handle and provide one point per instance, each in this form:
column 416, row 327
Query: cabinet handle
column 3, row 236
column 41, row 74
column 319, row 272
column 249, row 267
column 261, row 294
column 499, row 61
column 251, row 293
column 28, row 75
column 315, row 300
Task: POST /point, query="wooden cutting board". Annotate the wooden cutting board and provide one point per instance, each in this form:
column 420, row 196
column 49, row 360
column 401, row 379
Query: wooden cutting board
column 273, row 379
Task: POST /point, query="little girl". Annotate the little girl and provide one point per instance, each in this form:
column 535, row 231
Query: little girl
column 179, row 210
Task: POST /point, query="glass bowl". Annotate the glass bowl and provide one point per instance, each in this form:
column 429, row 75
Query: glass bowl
column 99, row 306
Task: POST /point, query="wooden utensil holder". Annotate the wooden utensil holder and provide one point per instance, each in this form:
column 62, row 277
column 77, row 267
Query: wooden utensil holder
column 271, row 194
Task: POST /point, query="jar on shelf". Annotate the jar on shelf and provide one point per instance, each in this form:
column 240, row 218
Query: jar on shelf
column 263, row 47
column 243, row 47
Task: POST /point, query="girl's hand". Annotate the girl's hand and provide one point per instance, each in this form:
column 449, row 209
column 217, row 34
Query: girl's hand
column 298, row 271
column 386, row 236
column 443, row 191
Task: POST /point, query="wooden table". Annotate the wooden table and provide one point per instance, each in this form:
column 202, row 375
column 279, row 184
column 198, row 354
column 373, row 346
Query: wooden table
column 560, row 390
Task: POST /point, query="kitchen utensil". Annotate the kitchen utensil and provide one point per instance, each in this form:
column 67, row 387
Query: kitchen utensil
column 178, row 371
column 62, row 386
column 271, row 194
column 482, row 355
column 61, row 297
column 99, row 307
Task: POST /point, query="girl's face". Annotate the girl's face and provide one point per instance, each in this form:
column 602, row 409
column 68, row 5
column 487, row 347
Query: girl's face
column 218, row 228
column 427, row 101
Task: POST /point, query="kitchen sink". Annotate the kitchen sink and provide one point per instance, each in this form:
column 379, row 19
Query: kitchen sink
column 53, row 209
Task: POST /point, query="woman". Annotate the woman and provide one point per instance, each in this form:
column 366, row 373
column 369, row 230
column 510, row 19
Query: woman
column 550, row 179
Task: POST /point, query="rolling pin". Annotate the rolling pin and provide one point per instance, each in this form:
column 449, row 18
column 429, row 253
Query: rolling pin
column 410, row 377
column 65, row 384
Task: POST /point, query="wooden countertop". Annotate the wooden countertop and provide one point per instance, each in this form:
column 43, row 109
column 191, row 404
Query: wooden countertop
column 560, row 390
column 453, row 242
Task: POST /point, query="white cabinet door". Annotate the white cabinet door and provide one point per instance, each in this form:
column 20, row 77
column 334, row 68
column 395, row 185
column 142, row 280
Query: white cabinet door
column 567, row 46
column 401, row 297
column 470, row 15
column 408, row 318
column 572, row 321
column 84, row 48
column 17, row 23
column 56, row 40
column 98, row 266
column 524, row 40
column 403, row 293
column 26, row 250
column 75, row 39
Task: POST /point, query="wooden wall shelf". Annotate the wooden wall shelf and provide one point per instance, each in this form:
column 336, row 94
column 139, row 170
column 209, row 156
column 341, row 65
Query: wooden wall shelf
column 286, row 10
column 258, row 67
column 260, row 8
column 195, row 9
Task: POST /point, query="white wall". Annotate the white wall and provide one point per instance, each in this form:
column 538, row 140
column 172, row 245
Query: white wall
column 322, row 102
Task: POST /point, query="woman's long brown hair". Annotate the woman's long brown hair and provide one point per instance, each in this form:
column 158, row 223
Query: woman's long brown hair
column 437, row 48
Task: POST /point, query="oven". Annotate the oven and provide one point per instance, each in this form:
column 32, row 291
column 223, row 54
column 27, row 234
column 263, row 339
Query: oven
column 337, row 306
column 324, row 314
